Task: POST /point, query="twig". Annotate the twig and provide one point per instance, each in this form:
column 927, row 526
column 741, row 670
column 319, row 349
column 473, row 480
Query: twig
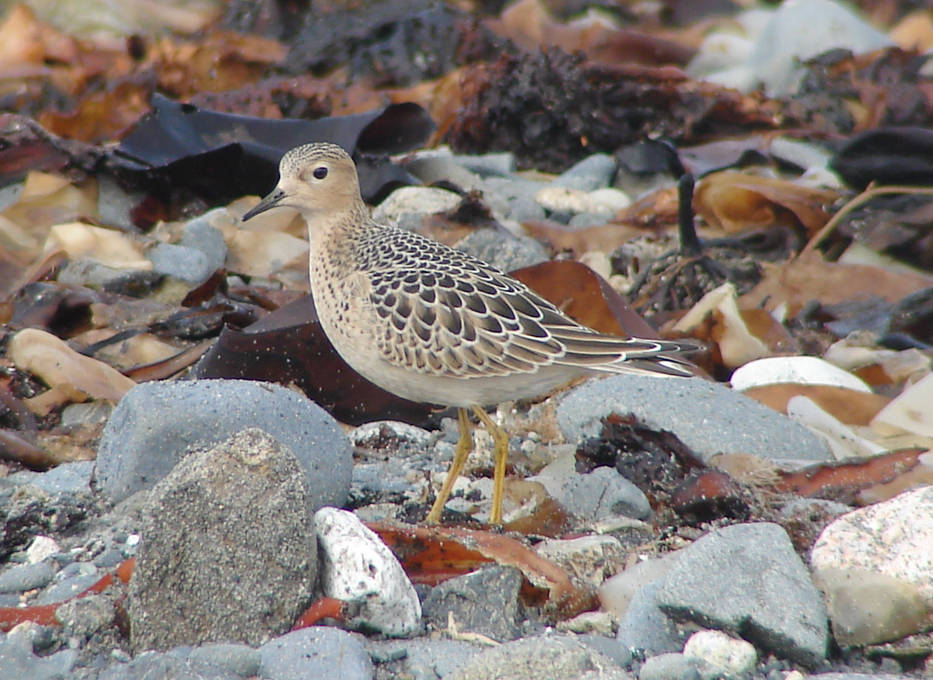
column 869, row 193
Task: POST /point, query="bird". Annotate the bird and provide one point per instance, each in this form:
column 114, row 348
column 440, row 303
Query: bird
column 433, row 324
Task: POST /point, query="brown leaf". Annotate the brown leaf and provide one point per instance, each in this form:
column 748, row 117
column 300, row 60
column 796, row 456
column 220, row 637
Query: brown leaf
column 810, row 277
column 858, row 480
column 585, row 296
column 604, row 238
column 848, row 406
column 223, row 60
column 434, row 554
column 61, row 367
column 737, row 202
column 529, row 24
column 101, row 116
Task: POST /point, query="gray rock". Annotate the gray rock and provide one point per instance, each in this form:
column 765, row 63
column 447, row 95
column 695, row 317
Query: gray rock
column 18, row 661
column 86, row 414
column 608, row 646
column 437, row 168
column 315, row 653
column 72, row 580
column 97, row 276
column 242, row 660
column 670, row 666
column 180, row 262
column 603, row 493
column 484, row 601
column 25, row 577
column 237, row 524
column 115, row 204
column 524, row 209
column 156, row 423
column 542, row 658
column 150, row 665
column 34, row 636
column 10, row 194
column 499, row 193
column 645, row 629
column 424, row 658
column 706, row 416
column 111, row 557
column 501, row 163
column 502, row 250
column 748, row 580
column 65, row 478
column 593, row 172
column 201, row 235
column 85, row 616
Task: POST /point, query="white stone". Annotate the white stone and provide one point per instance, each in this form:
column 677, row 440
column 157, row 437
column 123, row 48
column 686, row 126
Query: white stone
column 417, row 200
column 894, row 537
column 800, row 370
column 569, row 200
column 885, row 550
column 41, row 548
column 728, row 656
column 608, row 199
column 356, row 566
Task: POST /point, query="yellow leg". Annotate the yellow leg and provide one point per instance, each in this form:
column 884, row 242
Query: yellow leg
column 464, row 446
column 500, row 455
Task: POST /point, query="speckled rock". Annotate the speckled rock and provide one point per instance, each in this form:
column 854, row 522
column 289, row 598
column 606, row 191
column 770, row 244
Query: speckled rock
column 237, row 523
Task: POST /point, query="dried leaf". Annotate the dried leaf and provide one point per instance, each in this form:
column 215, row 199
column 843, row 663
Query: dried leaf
column 737, row 202
column 529, row 24
column 434, row 554
column 716, row 319
column 584, row 295
column 59, row 366
column 848, row 480
column 810, row 278
column 851, row 407
column 109, row 247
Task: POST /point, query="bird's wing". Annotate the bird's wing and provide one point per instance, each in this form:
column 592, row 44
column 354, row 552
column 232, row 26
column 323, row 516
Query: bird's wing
column 461, row 318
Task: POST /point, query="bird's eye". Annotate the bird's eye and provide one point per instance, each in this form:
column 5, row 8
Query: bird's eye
column 320, row 173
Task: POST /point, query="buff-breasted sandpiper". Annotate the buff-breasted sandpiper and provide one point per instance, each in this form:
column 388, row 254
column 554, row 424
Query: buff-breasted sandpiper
column 436, row 325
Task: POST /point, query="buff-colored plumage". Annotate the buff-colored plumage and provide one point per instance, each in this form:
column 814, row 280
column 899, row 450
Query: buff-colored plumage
column 433, row 324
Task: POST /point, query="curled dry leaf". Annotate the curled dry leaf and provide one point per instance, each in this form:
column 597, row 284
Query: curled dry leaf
column 716, row 319
column 45, row 200
column 434, row 554
column 863, row 481
column 529, row 24
column 221, row 61
column 59, row 366
column 107, row 246
column 738, row 202
column 795, row 283
column 851, row 407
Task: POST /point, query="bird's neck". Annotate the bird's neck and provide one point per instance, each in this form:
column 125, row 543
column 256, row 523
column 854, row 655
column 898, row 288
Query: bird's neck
column 332, row 239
